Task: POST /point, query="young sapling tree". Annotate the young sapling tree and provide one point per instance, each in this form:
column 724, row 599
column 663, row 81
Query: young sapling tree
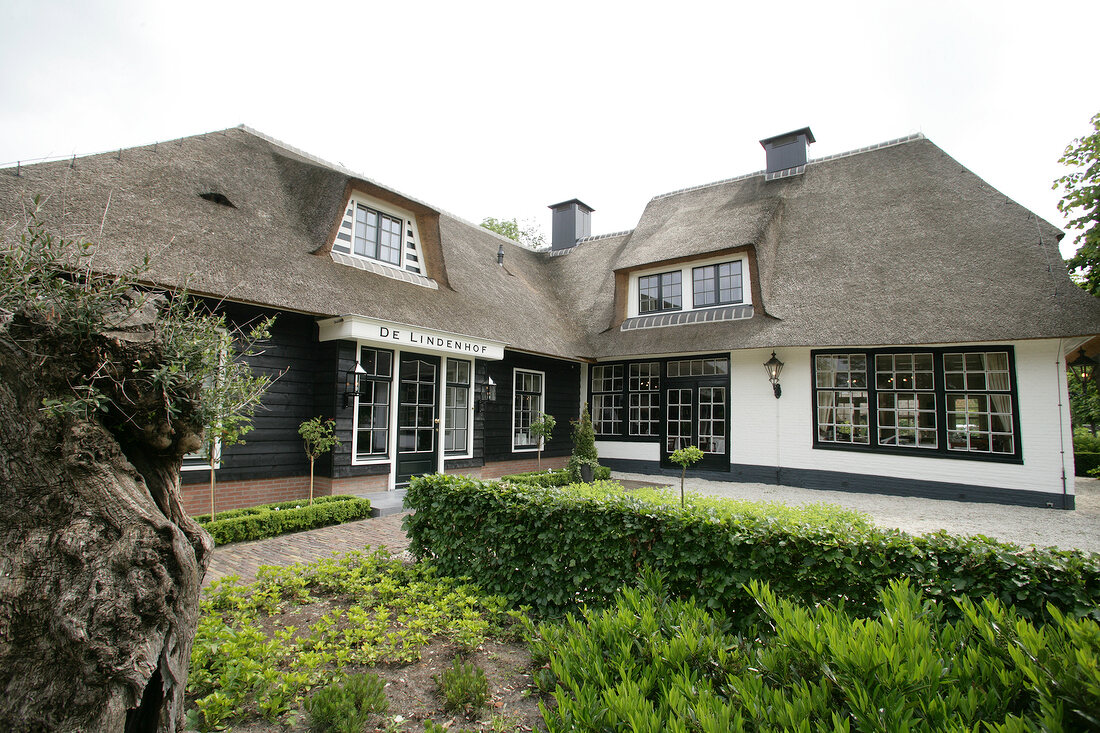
column 685, row 457
column 319, row 435
column 542, row 428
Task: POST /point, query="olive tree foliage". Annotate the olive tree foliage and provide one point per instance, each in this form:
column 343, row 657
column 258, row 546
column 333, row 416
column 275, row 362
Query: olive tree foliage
column 1081, row 202
column 319, row 436
column 104, row 387
column 526, row 233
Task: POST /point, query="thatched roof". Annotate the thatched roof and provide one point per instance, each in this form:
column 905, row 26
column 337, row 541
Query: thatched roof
column 893, row 245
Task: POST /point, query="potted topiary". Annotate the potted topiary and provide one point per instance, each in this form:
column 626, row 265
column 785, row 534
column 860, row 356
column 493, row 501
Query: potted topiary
column 585, row 460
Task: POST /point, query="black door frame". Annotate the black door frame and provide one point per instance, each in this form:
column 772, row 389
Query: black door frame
column 710, row 461
column 414, row 425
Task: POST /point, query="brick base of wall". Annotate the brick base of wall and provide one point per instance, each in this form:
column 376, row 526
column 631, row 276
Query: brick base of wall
column 238, row 494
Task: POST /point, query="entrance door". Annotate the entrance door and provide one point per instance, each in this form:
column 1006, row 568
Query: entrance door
column 417, row 417
column 695, row 414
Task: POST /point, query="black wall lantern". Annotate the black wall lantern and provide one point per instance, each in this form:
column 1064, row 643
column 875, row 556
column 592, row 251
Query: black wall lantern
column 488, row 393
column 351, row 383
column 774, row 367
column 1083, row 366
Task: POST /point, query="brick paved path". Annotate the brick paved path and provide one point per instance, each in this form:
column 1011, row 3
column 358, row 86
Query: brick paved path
column 243, row 558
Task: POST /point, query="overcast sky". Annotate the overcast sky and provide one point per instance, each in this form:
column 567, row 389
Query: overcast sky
column 499, row 109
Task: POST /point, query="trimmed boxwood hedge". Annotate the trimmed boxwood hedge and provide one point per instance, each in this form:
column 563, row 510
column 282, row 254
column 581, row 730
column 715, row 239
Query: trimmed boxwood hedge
column 553, row 549
column 553, row 478
column 1084, row 463
column 272, row 520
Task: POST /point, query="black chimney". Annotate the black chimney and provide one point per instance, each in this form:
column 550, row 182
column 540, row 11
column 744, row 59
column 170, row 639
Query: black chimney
column 572, row 221
column 787, row 153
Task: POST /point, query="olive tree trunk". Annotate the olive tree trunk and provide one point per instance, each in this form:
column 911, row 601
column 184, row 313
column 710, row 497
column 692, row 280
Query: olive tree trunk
column 100, row 568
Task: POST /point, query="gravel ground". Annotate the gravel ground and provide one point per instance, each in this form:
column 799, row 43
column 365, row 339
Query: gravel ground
column 1077, row 529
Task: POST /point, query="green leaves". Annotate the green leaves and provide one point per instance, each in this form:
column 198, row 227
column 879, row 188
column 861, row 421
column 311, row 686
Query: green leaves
column 1081, row 201
column 650, row 662
column 319, row 435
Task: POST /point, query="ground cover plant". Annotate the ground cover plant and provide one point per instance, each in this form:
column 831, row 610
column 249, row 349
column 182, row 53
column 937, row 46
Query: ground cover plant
column 654, row 663
column 554, row 549
column 271, row 520
column 290, row 650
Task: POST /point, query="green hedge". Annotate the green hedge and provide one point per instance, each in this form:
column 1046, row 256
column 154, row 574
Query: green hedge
column 272, row 520
column 278, row 506
column 1083, row 463
column 553, row 549
column 553, row 478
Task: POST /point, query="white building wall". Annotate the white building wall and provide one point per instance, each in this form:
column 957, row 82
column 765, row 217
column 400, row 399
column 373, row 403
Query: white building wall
column 770, row 432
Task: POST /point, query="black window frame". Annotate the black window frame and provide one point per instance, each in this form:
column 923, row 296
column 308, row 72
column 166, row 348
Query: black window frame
column 940, row 391
column 345, row 241
column 716, row 279
column 661, row 296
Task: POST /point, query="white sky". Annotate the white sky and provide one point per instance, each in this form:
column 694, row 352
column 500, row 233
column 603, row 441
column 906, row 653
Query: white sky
column 501, row 108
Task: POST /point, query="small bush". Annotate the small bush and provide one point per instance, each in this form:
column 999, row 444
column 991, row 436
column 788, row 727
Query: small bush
column 1085, row 442
column 347, row 708
column 255, row 523
column 1085, row 464
column 464, row 686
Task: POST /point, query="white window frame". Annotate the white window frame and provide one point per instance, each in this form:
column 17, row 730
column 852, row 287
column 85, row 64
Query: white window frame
column 390, row 430
column 408, row 222
column 195, row 456
column 687, row 283
column 542, row 408
column 469, row 412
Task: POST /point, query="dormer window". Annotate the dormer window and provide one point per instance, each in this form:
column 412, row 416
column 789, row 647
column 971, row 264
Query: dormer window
column 660, row 293
column 715, row 283
column 375, row 231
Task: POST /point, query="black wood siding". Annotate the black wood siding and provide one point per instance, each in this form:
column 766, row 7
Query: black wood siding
column 273, row 448
column 562, row 396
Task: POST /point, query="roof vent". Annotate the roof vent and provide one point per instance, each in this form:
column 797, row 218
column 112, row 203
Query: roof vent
column 217, row 198
column 572, row 220
column 787, row 153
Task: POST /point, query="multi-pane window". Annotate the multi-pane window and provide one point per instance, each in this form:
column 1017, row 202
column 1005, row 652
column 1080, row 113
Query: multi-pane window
column 527, row 404
column 712, row 419
column 717, row 284
column 377, row 235
column 979, row 402
column 372, row 423
column 679, row 417
column 698, row 367
column 607, row 399
column 645, row 398
column 660, row 292
column 456, row 437
column 842, row 398
column 906, row 402
column 949, row 402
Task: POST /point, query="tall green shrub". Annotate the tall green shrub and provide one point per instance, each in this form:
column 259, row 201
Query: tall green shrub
column 319, row 436
column 584, row 445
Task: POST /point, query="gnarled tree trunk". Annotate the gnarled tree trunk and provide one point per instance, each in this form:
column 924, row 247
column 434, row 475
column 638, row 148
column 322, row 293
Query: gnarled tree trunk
column 100, row 568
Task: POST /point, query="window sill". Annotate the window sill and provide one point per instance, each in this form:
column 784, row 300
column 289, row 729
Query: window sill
column 934, row 453
column 676, row 318
column 390, row 271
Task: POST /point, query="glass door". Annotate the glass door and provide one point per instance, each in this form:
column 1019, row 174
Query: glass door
column 697, row 411
column 417, row 417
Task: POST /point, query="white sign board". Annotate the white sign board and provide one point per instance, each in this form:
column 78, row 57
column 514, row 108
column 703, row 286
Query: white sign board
column 408, row 338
